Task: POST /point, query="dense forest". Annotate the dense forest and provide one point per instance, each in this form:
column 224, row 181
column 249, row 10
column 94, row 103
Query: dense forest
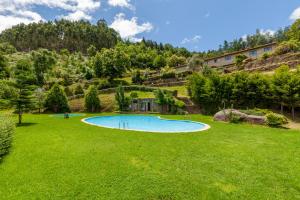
column 61, row 34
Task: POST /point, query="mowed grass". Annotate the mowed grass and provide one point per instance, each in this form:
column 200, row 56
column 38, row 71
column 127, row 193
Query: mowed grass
column 182, row 90
column 54, row 158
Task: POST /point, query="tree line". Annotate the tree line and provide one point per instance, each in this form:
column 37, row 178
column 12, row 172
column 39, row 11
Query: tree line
column 61, row 34
column 249, row 41
column 242, row 90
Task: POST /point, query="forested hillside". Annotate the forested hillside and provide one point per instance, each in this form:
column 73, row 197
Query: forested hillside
column 61, row 34
column 75, row 55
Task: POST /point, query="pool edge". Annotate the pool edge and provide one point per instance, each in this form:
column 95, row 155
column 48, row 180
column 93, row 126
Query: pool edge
column 206, row 126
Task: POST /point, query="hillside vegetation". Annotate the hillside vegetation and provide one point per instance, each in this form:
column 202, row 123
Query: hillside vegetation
column 77, row 55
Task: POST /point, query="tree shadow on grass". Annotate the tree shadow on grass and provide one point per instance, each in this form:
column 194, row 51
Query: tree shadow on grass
column 26, row 124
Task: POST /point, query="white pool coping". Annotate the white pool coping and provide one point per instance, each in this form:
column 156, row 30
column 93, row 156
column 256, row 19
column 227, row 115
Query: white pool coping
column 206, row 126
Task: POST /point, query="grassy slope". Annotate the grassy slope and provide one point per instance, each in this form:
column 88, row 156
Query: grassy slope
column 182, row 90
column 108, row 100
column 53, row 158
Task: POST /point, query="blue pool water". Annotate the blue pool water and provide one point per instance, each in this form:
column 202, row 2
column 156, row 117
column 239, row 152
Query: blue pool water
column 146, row 124
column 70, row 115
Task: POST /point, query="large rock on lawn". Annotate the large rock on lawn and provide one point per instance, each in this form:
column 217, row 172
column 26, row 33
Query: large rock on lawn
column 225, row 115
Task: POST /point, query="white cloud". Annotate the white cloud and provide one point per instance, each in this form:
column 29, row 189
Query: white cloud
column 295, row 14
column 129, row 28
column 267, row 32
column 13, row 12
column 121, row 3
column 9, row 21
column 78, row 15
column 195, row 39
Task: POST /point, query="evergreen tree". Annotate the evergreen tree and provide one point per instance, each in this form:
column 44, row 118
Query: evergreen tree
column 24, row 78
column 122, row 100
column 92, row 101
column 56, row 100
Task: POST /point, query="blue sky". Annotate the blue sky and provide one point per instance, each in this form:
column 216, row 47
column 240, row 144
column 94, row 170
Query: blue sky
column 195, row 24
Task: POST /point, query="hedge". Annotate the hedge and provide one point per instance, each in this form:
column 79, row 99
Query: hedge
column 7, row 129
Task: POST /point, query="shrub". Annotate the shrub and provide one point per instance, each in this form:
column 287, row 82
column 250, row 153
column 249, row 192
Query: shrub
column 276, row 120
column 7, row 93
column 56, row 100
column 6, row 48
column 234, row 118
column 168, row 72
column 134, row 95
column 287, row 47
column 68, row 91
column 137, row 77
column 92, row 101
column 104, row 84
column 265, row 56
column 122, row 100
column 179, row 104
column 78, row 90
column 256, row 111
column 239, row 60
column 7, row 129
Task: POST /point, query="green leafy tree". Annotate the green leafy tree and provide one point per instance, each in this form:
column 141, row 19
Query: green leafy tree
column 56, row 100
column 92, row 50
column 122, row 100
column 197, row 88
column 111, row 63
column 294, row 31
column 4, row 73
column 98, row 66
column 159, row 62
column 78, row 90
column 92, row 101
column 137, row 77
column 175, row 61
column 279, row 83
column 8, row 92
column 68, row 91
column 40, row 96
column 292, row 94
column 6, row 48
column 195, row 62
column 166, row 100
column 43, row 60
column 24, row 79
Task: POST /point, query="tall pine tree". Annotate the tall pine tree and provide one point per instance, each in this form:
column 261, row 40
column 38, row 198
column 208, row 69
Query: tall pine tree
column 24, row 83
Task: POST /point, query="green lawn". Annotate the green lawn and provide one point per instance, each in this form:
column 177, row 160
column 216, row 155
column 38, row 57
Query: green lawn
column 53, row 158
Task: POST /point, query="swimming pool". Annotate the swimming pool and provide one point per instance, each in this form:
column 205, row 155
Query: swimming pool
column 146, row 124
